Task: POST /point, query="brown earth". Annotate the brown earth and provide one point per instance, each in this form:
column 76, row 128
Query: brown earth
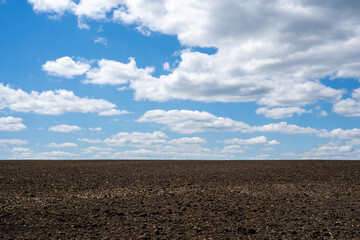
column 179, row 199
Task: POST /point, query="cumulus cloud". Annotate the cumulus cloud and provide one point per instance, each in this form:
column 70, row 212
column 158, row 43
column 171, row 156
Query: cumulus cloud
column 11, row 124
column 65, row 67
column 274, row 68
column 341, row 134
column 113, row 112
column 202, row 77
column 273, row 55
column 115, row 73
column 83, row 8
column 52, row 6
column 166, row 66
column 234, row 149
column 188, row 122
column 136, row 139
column 331, row 150
column 277, row 113
column 13, row 141
column 284, row 127
column 164, row 152
column 54, row 155
column 323, row 113
column 61, row 145
column 349, row 107
column 95, row 9
column 262, row 156
column 82, row 24
column 145, row 144
column 251, row 141
column 29, row 154
column 151, row 145
column 20, row 149
column 52, row 102
column 64, row 128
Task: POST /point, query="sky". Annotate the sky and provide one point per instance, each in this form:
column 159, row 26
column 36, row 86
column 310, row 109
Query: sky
column 168, row 79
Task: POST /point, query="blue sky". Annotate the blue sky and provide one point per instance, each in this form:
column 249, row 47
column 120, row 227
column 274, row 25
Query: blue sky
column 167, row 79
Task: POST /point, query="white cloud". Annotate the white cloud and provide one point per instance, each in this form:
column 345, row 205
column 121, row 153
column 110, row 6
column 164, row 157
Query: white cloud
column 64, row 128
column 284, row 127
column 356, row 93
column 122, row 88
column 234, row 149
column 349, row 107
column 188, row 122
column 136, row 139
column 164, row 152
column 238, row 146
column 251, row 141
column 115, row 73
column 13, row 141
column 274, row 68
column 93, row 149
column 51, row 102
column 43, row 155
column 22, row 155
column 11, row 123
column 166, row 66
column 323, row 113
column 101, row 40
column 20, row 149
column 277, row 113
column 113, row 112
column 262, row 156
column 97, row 129
column 95, row 9
column 52, row 6
column 299, row 93
column 203, row 77
column 341, row 134
column 54, row 155
column 151, row 145
column 65, row 67
column 272, row 142
column 273, row 55
column 331, row 150
column 82, row 24
column 61, row 145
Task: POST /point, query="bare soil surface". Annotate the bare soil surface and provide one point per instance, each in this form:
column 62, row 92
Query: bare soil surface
column 179, row 199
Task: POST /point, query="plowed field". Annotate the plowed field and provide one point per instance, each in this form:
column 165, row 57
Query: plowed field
column 179, row 199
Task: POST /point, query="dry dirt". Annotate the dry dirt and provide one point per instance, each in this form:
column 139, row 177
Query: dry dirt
column 179, row 199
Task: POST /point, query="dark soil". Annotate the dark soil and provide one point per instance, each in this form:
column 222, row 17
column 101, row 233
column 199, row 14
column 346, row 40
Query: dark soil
column 179, row 199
